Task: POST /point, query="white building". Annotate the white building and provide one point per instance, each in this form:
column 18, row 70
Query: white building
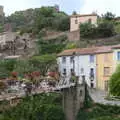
column 82, row 62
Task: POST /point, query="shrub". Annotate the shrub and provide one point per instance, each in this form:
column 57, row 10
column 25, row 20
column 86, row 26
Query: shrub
column 103, row 29
column 115, row 83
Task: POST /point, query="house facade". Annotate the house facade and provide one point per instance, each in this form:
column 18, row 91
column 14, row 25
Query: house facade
column 75, row 20
column 80, row 61
column 94, row 65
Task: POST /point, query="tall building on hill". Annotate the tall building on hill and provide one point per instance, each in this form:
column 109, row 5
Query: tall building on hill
column 76, row 20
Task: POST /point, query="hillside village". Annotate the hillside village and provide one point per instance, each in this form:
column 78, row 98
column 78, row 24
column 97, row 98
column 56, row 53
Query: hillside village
column 44, row 52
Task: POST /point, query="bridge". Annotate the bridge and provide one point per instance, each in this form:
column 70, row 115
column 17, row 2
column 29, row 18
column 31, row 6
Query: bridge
column 73, row 94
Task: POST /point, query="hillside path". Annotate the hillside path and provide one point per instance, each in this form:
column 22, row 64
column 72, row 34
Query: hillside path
column 98, row 96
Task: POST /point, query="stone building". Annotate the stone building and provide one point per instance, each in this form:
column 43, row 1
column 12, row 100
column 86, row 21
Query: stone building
column 75, row 20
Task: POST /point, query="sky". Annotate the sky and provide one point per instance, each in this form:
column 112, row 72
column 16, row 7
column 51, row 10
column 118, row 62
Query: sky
column 68, row 6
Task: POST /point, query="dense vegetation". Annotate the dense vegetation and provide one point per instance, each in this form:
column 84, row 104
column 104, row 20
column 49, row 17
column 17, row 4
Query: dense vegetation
column 107, row 25
column 104, row 28
column 52, row 45
column 36, row 63
column 37, row 107
column 115, row 83
column 100, row 112
column 34, row 20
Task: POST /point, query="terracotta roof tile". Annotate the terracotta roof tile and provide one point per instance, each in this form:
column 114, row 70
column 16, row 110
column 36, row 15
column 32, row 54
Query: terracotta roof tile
column 83, row 15
column 87, row 51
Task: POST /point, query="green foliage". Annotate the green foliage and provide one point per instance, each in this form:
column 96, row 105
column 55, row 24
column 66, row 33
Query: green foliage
column 1, row 28
column 34, row 20
column 6, row 66
column 108, row 16
column 117, row 28
column 87, row 30
column 100, row 112
column 71, row 46
column 23, row 66
column 104, row 29
column 51, row 46
column 115, row 83
column 43, row 62
column 37, row 107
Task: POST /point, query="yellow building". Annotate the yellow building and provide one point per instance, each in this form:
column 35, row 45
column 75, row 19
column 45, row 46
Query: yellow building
column 106, row 62
column 104, row 69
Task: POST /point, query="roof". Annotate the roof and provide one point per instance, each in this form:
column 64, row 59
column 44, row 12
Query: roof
column 87, row 51
column 83, row 15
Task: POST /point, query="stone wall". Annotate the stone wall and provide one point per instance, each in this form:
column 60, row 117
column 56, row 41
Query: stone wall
column 72, row 36
column 73, row 99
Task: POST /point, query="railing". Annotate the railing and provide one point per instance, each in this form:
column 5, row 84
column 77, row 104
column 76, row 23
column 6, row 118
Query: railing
column 64, row 82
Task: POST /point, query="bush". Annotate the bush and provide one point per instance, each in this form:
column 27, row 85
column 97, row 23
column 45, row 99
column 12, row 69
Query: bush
column 87, row 30
column 100, row 112
column 37, row 107
column 115, row 83
column 104, row 29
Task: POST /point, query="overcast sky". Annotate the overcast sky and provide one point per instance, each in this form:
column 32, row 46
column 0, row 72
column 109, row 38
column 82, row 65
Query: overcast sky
column 81, row 6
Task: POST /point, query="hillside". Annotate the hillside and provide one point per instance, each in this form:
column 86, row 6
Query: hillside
column 99, row 41
column 34, row 20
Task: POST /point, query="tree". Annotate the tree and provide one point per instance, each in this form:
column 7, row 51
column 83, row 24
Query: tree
column 54, row 112
column 23, row 66
column 114, row 84
column 105, row 29
column 74, row 13
column 52, row 45
column 108, row 16
column 6, row 67
column 43, row 62
column 36, row 107
column 87, row 30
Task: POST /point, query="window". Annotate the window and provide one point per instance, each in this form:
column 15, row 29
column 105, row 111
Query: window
column 91, row 58
column 82, row 70
column 118, row 55
column 91, row 73
column 63, row 59
column 92, row 85
column 71, row 70
column 89, row 20
column 81, row 93
column 106, row 71
column 71, row 59
column 76, row 21
column 64, row 71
